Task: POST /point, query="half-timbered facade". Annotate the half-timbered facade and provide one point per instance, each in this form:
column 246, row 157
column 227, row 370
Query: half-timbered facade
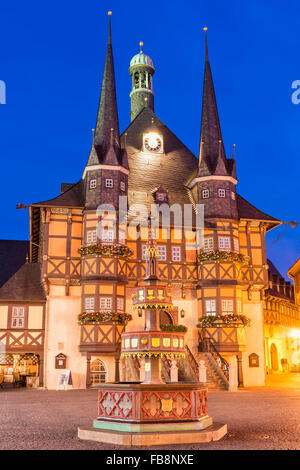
column 89, row 266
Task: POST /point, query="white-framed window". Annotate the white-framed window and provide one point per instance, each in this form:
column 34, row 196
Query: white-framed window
column 233, row 195
column 109, row 183
column 208, row 243
column 89, row 304
column 176, row 255
column 205, row 193
column 105, row 303
column 144, row 248
column 141, row 294
column 18, row 317
column 120, row 304
column 91, row 236
column 107, row 235
column 122, row 236
column 162, row 253
column 98, row 372
column 239, row 306
column 236, row 245
column 221, row 192
column 224, row 243
column 210, row 307
column 122, row 186
column 227, row 306
column 93, row 184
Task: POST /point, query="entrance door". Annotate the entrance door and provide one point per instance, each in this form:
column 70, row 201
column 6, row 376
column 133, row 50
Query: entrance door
column 274, row 357
column 98, row 372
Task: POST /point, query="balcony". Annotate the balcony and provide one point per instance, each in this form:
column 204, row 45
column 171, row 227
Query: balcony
column 101, row 337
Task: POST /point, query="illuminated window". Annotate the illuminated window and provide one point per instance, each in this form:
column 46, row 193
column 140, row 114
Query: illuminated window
column 93, row 184
column 221, row 192
column 109, row 183
column 98, row 372
column 208, row 244
column 176, row 253
column 141, row 294
column 227, row 306
column 107, row 235
column 205, row 193
column 210, row 307
column 105, row 303
column 91, row 236
column 89, row 304
column 162, row 253
column 236, row 245
column 122, row 186
column 224, row 243
column 120, row 304
column 18, row 317
column 233, row 195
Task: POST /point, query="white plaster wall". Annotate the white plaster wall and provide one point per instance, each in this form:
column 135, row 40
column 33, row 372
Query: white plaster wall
column 254, row 336
column 190, row 321
column 62, row 327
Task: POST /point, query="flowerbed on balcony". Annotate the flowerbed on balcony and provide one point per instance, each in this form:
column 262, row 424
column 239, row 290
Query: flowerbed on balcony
column 175, row 328
column 230, row 320
column 113, row 249
column 230, row 256
column 102, row 317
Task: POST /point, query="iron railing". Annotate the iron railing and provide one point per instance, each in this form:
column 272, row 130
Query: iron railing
column 207, row 345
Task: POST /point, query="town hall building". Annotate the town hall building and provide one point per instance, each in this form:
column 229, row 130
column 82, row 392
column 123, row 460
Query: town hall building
column 66, row 295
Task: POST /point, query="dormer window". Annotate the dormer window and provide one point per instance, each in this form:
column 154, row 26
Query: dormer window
column 93, row 184
column 205, row 194
column 161, row 195
column 221, row 193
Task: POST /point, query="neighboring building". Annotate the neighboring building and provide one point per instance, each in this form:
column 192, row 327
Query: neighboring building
column 22, row 311
column 281, row 323
column 149, row 164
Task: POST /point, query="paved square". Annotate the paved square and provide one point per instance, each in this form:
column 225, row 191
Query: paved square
column 261, row 418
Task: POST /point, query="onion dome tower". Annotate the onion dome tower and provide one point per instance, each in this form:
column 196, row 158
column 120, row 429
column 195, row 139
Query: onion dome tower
column 141, row 71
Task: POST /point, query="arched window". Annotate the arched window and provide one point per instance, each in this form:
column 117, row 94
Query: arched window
column 98, row 372
column 136, row 80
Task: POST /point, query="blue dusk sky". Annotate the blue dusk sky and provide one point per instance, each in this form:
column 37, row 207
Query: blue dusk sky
column 51, row 59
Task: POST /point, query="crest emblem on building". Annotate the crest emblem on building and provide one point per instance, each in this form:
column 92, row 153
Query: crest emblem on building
column 166, row 405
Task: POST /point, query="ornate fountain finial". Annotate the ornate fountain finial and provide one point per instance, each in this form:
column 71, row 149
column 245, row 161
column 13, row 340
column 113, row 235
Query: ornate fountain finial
column 151, row 254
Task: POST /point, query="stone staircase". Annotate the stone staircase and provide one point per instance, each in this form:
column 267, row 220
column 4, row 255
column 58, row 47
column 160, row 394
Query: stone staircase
column 187, row 370
column 216, row 380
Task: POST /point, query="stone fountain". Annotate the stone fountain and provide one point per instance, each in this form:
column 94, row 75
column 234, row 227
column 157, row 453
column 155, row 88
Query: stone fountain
column 152, row 412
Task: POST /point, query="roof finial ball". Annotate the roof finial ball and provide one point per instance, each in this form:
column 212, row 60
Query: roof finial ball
column 109, row 13
column 141, row 46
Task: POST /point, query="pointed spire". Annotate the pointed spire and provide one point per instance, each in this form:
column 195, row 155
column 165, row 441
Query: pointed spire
column 211, row 135
column 110, row 158
column 107, row 117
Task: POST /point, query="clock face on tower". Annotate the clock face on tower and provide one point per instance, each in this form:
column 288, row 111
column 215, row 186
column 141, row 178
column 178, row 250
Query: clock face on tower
column 153, row 142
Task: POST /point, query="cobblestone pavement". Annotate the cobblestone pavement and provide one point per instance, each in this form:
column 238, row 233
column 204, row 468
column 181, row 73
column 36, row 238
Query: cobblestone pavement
column 260, row 418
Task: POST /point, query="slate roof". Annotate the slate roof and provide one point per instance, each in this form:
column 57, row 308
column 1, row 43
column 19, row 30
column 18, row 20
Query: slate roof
column 72, row 197
column 172, row 170
column 19, row 280
column 248, row 211
column 279, row 281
